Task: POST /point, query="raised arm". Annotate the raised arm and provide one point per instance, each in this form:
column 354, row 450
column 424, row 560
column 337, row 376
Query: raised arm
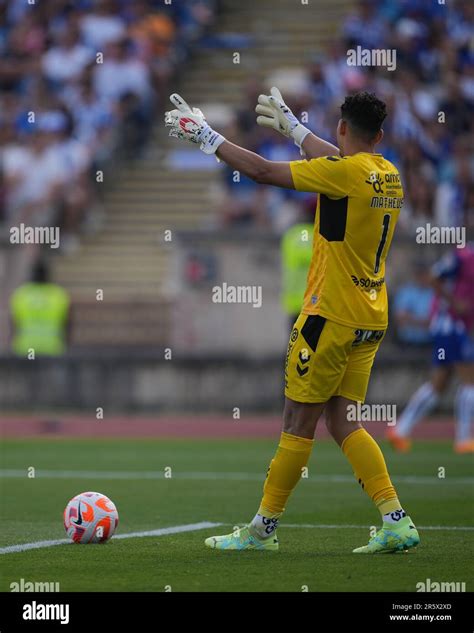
column 274, row 113
column 190, row 125
column 263, row 171
column 315, row 147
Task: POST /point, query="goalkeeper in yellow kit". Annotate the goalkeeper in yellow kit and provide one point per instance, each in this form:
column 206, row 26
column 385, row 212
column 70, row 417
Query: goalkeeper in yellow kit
column 344, row 316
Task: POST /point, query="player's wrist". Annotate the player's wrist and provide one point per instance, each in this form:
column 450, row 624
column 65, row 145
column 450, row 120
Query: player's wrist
column 210, row 140
column 299, row 133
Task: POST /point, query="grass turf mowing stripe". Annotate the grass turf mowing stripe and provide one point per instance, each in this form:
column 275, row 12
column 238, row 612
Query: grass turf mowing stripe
column 192, row 527
column 230, row 476
column 176, row 529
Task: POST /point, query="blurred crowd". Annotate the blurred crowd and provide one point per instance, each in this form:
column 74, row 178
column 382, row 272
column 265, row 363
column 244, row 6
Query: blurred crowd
column 434, row 74
column 80, row 82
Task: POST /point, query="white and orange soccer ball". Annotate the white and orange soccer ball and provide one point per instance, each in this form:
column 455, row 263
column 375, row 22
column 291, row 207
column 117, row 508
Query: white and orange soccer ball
column 90, row 517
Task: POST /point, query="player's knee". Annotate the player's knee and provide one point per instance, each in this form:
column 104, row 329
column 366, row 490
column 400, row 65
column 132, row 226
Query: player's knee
column 333, row 426
column 300, row 419
column 339, row 428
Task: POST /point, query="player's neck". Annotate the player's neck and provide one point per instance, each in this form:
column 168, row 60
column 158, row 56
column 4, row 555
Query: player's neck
column 358, row 148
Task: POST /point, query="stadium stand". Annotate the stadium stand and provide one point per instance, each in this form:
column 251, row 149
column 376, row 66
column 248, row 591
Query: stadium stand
column 122, row 221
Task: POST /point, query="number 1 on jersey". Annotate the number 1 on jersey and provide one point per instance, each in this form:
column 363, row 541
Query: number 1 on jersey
column 383, row 239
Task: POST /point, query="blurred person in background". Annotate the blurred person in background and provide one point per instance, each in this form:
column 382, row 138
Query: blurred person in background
column 296, row 253
column 34, row 174
column 40, row 312
column 102, row 24
column 66, row 60
column 135, row 124
column 47, row 178
column 242, row 202
column 321, row 92
column 124, row 80
column 365, row 26
column 412, row 307
column 153, row 34
column 77, row 194
column 452, row 203
column 94, row 117
column 420, row 207
column 25, row 41
column 249, row 132
column 452, row 328
column 122, row 72
column 284, row 207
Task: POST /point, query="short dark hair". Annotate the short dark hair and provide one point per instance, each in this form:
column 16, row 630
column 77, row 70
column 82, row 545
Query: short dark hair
column 40, row 273
column 364, row 113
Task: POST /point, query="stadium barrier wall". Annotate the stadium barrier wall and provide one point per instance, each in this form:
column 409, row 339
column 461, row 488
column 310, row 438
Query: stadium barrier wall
column 206, row 260
column 194, row 384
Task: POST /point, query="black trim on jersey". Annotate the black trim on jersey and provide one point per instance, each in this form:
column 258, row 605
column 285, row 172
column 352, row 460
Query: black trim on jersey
column 333, row 158
column 332, row 218
column 311, row 330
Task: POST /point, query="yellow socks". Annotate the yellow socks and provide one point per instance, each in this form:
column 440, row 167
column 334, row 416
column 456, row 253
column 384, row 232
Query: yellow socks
column 291, row 457
column 370, row 469
column 284, row 473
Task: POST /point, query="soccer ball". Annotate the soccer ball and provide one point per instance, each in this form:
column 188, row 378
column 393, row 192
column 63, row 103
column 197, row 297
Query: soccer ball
column 90, row 517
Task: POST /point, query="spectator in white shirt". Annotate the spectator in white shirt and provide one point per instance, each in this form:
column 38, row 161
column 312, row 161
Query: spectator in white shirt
column 93, row 116
column 102, row 25
column 34, row 174
column 67, row 59
column 122, row 72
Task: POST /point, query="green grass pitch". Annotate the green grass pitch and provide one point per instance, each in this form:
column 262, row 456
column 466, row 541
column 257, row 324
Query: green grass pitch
column 221, row 481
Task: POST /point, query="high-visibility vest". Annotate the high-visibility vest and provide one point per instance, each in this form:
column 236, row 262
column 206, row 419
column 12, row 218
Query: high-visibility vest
column 296, row 253
column 39, row 312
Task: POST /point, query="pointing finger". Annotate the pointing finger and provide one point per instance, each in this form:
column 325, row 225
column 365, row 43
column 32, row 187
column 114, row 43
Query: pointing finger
column 179, row 102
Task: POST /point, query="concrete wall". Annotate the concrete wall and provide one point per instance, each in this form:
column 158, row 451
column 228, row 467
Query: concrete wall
column 192, row 384
column 201, row 326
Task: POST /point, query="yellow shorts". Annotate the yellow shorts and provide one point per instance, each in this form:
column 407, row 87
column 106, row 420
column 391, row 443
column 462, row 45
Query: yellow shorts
column 325, row 359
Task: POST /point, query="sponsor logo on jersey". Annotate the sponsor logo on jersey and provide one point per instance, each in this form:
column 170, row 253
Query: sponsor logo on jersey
column 376, row 181
column 367, row 282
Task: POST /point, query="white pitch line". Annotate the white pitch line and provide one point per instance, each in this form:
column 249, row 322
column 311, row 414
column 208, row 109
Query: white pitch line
column 463, row 528
column 228, row 476
column 176, row 529
column 191, row 527
column 11, row 549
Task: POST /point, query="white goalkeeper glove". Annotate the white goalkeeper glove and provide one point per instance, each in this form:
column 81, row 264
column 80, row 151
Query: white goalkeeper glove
column 274, row 113
column 191, row 125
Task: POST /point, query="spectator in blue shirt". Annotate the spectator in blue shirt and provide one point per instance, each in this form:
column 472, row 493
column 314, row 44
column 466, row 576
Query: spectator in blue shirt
column 412, row 307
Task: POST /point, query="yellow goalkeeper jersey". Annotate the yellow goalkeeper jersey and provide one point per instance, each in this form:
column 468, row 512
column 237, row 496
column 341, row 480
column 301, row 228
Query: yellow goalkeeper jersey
column 360, row 198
